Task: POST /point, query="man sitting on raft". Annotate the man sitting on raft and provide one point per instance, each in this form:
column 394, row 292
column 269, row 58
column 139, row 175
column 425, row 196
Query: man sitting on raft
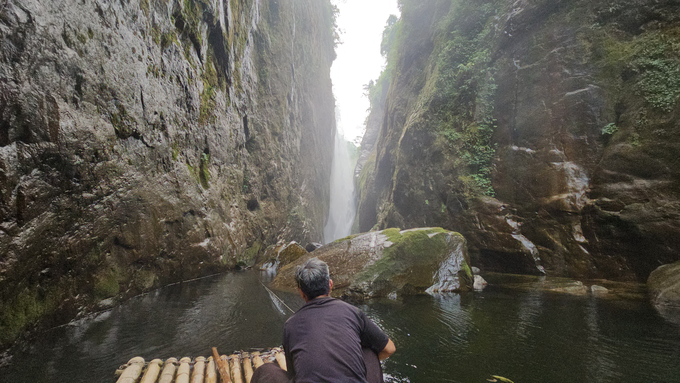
column 327, row 340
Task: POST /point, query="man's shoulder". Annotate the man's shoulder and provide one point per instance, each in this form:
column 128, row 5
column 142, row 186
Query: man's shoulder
column 325, row 304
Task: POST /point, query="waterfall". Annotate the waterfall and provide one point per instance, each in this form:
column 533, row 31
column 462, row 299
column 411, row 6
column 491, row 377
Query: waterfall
column 342, row 210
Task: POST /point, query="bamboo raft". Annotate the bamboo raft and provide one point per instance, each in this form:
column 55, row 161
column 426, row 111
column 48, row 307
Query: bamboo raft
column 237, row 368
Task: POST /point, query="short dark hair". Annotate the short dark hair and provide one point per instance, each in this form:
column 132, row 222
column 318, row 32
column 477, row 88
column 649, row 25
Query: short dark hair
column 312, row 278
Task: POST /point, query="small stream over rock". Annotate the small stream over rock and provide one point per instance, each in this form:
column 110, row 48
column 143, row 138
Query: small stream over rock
column 519, row 332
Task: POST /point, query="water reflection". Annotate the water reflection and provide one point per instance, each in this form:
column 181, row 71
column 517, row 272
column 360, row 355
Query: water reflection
column 527, row 336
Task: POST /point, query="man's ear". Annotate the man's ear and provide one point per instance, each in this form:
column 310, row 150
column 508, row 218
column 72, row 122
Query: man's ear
column 330, row 285
column 302, row 294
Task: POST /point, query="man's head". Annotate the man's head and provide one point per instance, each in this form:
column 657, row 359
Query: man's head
column 313, row 279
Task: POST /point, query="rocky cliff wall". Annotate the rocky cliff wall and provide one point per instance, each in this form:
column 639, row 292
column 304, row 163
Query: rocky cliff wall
column 144, row 142
column 546, row 132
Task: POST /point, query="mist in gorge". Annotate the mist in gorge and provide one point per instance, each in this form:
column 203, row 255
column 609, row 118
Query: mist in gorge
column 494, row 183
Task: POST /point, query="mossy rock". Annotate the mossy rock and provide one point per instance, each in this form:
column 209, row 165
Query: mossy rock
column 664, row 285
column 106, row 285
column 250, row 256
column 291, row 253
column 383, row 263
column 24, row 311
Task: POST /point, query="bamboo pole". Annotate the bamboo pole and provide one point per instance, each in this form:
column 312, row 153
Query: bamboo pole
column 236, row 369
column 257, row 360
column 211, row 374
column 132, row 371
column 152, row 371
column 280, row 358
column 199, row 370
column 183, row 371
column 222, row 367
column 247, row 367
column 168, row 374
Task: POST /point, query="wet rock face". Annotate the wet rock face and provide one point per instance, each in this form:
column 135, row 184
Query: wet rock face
column 391, row 262
column 545, row 132
column 149, row 141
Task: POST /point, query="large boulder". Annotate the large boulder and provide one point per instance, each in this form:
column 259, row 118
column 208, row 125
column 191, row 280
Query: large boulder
column 389, row 262
column 664, row 289
column 664, row 285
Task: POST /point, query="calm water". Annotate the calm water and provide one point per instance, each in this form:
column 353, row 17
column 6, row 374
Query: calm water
column 525, row 336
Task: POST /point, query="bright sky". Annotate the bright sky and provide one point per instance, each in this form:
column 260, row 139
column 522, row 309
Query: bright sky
column 361, row 24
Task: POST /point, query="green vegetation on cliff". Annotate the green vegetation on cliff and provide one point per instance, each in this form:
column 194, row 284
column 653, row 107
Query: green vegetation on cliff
column 553, row 120
column 464, row 90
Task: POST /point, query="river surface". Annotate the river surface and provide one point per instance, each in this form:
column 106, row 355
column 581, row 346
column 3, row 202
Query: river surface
column 526, row 336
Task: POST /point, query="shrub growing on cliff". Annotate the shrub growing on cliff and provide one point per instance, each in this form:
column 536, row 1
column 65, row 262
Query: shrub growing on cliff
column 610, row 129
column 463, row 94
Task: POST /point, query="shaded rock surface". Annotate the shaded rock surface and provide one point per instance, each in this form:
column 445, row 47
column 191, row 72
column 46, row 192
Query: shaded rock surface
column 664, row 285
column 145, row 142
column 377, row 264
column 546, row 132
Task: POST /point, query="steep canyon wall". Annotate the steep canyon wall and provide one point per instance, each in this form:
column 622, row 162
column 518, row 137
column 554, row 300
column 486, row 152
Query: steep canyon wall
column 546, row 132
column 144, row 142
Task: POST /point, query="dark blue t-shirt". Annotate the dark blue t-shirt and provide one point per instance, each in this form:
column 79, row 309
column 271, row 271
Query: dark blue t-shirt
column 323, row 342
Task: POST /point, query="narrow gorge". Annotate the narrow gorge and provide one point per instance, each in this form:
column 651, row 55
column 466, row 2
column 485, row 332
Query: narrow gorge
column 515, row 207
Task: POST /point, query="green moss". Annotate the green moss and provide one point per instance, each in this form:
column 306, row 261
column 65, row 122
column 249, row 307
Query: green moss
column 81, row 37
column 106, row 285
column 175, row 151
column 210, row 74
column 123, row 124
column 204, row 173
column 144, row 279
column 651, row 59
column 366, row 171
column 252, row 251
column 156, row 34
column 154, row 70
column 66, row 36
column 412, row 259
column 190, row 18
column 467, row 270
column 144, row 6
column 168, row 38
column 393, row 234
column 207, row 105
column 192, row 171
column 210, row 84
column 24, row 311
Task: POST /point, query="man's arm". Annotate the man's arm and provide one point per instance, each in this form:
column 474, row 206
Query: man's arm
column 387, row 351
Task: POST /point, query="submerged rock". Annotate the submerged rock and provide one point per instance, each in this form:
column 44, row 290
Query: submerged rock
column 598, row 290
column 575, row 288
column 479, row 283
column 392, row 263
column 664, row 285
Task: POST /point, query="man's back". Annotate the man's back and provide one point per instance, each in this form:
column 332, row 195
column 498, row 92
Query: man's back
column 323, row 342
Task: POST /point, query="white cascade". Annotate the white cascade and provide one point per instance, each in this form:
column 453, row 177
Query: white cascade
column 342, row 210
